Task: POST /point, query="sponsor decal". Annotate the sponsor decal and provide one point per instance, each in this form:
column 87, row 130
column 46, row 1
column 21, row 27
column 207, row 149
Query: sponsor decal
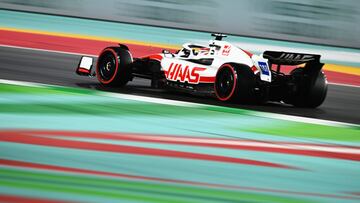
column 182, row 73
column 264, row 68
column 226, row 50
column 296, row 57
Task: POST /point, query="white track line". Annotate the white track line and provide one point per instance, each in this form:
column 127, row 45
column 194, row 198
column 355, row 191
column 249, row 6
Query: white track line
column 47, row 50
column 345, row 85
column 21, row 83
column 149, row 99
column 192, row 104
column 302, row 119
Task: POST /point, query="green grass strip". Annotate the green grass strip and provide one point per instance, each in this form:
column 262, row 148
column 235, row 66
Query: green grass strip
column 226, row 110
column 17, row 89
column 107, row 108
column 277, row 127
column 129, row 190
column 312, row 131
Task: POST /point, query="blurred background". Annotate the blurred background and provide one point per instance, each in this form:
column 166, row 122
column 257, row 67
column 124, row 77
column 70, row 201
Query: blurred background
column 328, row 22
column 66, row 138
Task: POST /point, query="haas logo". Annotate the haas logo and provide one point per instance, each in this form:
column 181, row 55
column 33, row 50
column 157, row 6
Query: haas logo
column 226, row 50
column 296, row 57
column 179, row 72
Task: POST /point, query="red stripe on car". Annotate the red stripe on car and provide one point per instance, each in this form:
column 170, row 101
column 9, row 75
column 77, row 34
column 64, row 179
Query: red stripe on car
column 157, row 57
column 206, row 79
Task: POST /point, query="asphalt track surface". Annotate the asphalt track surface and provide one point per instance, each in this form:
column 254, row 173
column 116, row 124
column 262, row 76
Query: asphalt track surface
column 341, row 104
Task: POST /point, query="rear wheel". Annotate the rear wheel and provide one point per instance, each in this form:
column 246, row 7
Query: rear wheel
column 311, row 88
column 234, row 82
column 112, row 67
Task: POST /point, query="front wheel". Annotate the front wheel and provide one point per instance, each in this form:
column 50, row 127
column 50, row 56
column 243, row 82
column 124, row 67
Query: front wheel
column 112, row 67
column 234, row 82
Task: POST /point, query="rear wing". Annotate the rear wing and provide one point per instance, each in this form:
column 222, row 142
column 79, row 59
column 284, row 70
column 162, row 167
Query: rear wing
column 311, row 61
column 289, row 58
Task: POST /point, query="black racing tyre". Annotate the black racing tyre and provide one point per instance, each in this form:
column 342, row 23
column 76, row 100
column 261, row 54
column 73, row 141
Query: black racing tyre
column 112, row 68
column 234, row 82
column 311, row 88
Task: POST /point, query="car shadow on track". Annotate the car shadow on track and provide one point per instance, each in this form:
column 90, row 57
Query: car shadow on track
column 145, row 90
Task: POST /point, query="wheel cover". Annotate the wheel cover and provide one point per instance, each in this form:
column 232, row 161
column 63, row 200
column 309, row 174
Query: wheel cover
column 225, row 83
column 107, row 66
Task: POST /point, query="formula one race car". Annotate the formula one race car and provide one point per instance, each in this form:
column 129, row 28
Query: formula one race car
column 220, row 69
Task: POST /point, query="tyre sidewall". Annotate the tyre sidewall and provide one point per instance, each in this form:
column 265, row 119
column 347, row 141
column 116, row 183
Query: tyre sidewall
column 244, row 82
column 122, row 73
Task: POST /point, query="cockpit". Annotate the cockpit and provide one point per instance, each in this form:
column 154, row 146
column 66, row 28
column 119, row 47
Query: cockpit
column 190, row 50
column 193, row 51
